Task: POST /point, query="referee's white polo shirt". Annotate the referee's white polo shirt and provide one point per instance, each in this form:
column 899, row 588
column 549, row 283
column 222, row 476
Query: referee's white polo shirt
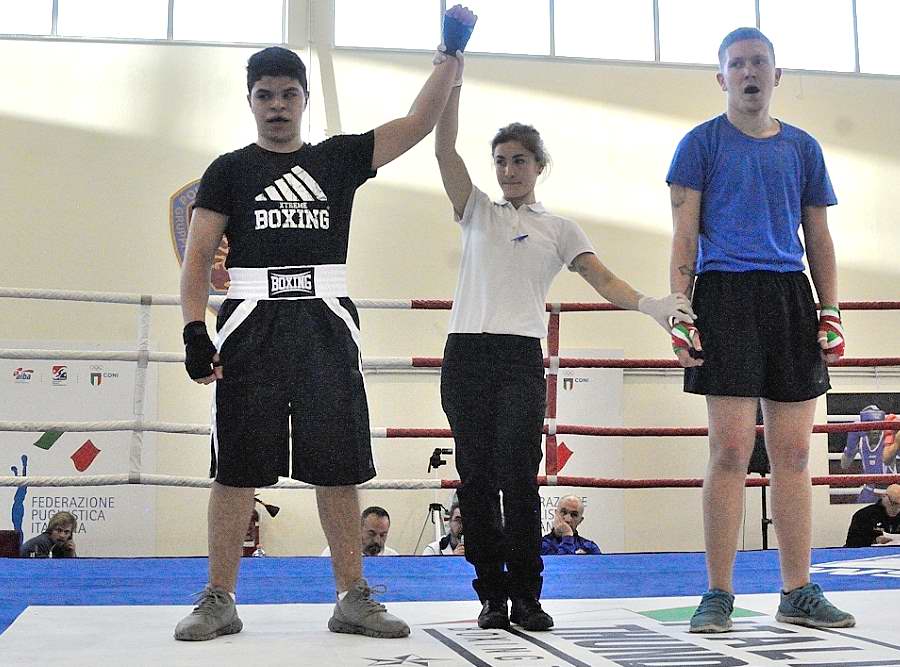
column 509, row 259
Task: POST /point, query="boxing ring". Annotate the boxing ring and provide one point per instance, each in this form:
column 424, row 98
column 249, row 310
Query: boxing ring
column 626, row 609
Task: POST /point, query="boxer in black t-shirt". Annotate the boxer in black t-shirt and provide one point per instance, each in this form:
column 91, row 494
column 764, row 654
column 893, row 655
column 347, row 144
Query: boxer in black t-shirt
column 286, row 359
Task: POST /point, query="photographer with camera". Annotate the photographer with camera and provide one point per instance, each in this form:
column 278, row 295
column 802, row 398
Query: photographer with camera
column 452, row 543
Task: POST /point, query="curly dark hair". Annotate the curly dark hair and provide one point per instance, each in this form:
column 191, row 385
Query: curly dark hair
column 276, row 61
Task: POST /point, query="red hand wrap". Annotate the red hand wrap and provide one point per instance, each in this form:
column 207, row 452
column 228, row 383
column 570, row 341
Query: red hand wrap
column 831, row 331
column 684, row 337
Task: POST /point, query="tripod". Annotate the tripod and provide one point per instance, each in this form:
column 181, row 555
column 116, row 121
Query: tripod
column 765, row 521
column 436, row 515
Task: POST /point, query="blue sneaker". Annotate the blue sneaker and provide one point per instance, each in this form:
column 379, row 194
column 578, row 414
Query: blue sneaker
column 714, row 612
column 807, row 606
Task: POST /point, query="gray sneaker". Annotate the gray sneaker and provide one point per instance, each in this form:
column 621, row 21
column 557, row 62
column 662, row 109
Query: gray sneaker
column 807, row 606
column 214, row 615
column 714, row 612
column 359, row 614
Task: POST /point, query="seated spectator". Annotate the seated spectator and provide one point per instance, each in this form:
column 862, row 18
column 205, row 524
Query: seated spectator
column 564, row 539
column 450, row 544
column 376, row 523
column 56, row 541
column 877, row 524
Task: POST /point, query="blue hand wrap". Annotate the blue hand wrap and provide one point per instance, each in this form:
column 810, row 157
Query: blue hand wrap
column 456, row 34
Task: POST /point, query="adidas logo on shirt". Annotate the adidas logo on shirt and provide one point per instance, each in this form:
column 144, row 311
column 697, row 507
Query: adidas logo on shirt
column 294, row 192
column 295, row 185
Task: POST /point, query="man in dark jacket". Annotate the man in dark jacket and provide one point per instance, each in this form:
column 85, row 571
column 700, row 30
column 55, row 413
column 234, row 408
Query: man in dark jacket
column 877, row 524
column 564, row 538
column 55, row 542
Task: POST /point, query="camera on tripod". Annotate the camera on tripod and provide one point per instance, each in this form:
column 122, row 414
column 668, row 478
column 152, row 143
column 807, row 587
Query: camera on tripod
column 436, row 460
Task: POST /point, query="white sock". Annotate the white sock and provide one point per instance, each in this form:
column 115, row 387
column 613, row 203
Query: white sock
column 231, row 593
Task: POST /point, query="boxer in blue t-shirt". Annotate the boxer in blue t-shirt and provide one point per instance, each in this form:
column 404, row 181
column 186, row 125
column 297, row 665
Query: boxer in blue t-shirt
column 742, row 185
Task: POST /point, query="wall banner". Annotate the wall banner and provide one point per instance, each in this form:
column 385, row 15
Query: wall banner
column 112, row 520
column 590, row 397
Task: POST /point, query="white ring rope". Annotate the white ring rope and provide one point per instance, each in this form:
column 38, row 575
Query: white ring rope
column 393, row 304
column 93, row 297
column 157, row 299
column 84, row 427
column 370, row 363
column 89, row 355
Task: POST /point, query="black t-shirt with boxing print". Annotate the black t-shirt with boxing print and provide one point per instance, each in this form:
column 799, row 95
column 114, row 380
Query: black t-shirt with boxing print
column 288, row 209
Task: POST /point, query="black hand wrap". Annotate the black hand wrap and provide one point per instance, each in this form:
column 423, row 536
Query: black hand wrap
column 455, row 34
column 198, row 350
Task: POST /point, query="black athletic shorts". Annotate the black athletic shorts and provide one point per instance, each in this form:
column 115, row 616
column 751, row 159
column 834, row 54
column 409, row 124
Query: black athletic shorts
column 292, row 375
column 758, row 330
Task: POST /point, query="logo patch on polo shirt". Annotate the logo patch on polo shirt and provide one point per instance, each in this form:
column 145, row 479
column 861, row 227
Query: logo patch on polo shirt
column 292, row 283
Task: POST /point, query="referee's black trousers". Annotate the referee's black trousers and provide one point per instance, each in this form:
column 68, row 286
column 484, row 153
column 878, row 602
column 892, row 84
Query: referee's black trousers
column 494, row 395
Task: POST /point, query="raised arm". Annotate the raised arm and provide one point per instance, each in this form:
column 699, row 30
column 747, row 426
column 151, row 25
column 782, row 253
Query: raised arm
column 393, row 139
column 454, row 174
column 891, row 443
column 890, row 451
column 850, row 449
column 396, row 137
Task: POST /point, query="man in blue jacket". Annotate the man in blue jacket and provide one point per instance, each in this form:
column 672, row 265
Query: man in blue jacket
column 564, row 539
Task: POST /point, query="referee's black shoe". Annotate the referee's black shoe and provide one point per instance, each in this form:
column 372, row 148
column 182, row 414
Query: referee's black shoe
column 493, row 615
column 528, row 614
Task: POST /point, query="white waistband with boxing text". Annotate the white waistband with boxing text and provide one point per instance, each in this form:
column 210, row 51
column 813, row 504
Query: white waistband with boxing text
column 288, row 282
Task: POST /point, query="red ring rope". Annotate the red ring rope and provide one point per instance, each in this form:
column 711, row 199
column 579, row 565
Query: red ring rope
column 691, row 482
column 588, row 306
column 644, row 431
column 576, row 362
